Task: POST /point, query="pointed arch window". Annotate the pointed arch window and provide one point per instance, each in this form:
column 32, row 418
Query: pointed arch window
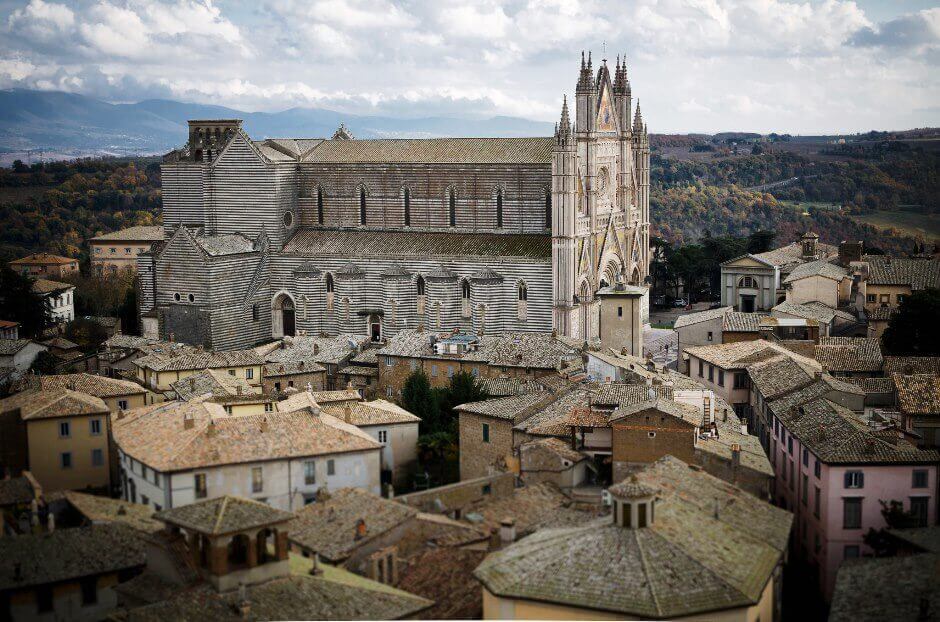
column 329, row 291
column 452, row 207
column 499, row 208
column 523, row 301
column 407, row 201
column 548, row 209
column 465, row 298
column 362, row 206
column 319, row 205
column 422, row 296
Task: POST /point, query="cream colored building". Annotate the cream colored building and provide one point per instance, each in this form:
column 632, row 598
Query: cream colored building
column 160, row 371
column 819, row 281
column 117, row 394
column 728, row 552
column 45, row 265
column 118, row 250
column 623, row 312
column 66, row 437
column 176, row 453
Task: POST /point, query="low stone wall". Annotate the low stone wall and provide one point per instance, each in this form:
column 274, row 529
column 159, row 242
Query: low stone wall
column 456, row 497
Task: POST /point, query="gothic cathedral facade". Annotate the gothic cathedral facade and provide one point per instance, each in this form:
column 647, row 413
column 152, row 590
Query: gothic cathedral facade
column 486, row 235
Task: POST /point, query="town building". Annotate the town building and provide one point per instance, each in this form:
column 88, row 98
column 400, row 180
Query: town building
column 302, row 360
column 441, row 355
column 623, row 310
column 59, row 435
column 17, row 355
column 117, row 394
column 891, row 279
column 822, row 281
column 59, row 299
column 175, row 453
column 391, row 426
column 715, row 326
column 212, row 383
column 63, row 349
column 918, row 401
column 45, row 265
column 858, row 357
column 834, row 472
column 280, row 237
column 118, row 250
column 227, row 559
column 9, row 330
column 727, row 544
column 754, row 282
column 373, row 536
column 158, row 371
column 831, row 322
column 68, row 574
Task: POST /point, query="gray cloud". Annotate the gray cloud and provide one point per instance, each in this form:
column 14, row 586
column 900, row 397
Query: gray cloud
column 696, row 65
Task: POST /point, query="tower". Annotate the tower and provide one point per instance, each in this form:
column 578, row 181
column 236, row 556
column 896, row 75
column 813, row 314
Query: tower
column 600, row 198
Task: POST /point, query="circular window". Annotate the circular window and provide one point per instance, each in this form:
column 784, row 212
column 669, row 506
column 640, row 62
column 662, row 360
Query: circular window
column 192, row 298
column 176, row 297
column 288, row 219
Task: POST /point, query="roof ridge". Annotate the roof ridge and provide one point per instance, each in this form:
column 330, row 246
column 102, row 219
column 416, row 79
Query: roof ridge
column 643, row 565
column 220, row 514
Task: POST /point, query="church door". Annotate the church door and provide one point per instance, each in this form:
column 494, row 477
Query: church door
column 288, row 322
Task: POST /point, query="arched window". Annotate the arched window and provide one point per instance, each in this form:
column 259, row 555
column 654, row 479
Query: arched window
column 465, row 298
column 523, row 304
column 747, row 282
column 362, row 206
column 420, row 285
column 422, row 296
column 320, row 205
column 499, row 207
column 407, row 206
column 452, row 207
column 548, row 209
column 329, row 283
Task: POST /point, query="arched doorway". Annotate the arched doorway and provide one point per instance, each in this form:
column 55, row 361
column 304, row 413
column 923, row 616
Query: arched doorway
column 283, row 317
column 375, row 327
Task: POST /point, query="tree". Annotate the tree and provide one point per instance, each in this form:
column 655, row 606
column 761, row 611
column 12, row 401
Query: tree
column 896, row 518
column 417, row 398
column 914, row 330
column 44, row 363
column 128, row 313
column 86, row 333
column 19, row 303
column 760, row 241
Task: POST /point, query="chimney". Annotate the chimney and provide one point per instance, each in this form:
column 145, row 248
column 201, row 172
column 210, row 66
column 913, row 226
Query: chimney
column 347, row 413
column 743, row 427
column 361, row 529
column 192, row 383
column 264, row 424
column 301, row 364
column 717, row 509
column 210, row 429
column 315, row 567
column 735, row 456
column 50, row 522
column 188, row 420
column 507, row 530
column 724, row 415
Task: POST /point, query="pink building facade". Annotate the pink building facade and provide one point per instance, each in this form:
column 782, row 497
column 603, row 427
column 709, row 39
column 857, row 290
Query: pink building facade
column 833, row 474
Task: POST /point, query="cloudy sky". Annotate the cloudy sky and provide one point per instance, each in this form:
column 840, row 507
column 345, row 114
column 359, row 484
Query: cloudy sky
column 696, row 65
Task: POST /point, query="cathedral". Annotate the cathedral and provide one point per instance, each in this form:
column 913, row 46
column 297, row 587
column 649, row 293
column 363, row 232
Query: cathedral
column 279, row 237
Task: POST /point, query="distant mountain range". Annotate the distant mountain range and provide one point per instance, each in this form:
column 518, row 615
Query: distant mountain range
column 65, row 123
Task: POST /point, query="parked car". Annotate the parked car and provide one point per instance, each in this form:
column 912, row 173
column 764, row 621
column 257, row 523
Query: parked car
column 680, row 302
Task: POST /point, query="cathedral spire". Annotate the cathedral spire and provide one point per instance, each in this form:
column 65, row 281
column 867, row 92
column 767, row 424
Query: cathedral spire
column 563, row 128
column 620, row 77
column 638, row 119
column 585, row 80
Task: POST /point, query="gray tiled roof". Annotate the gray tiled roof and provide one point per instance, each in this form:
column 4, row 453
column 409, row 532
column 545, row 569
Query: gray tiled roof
column 45, row 286
column 701, row 316
column 539, row 350
column 912, row 365
column 329, row 527
column 737, row 321
column 213, row 382
column 436, row 151
column 786, row 257
column 68, row 554
column 820, row 313
column 918, row 394
column 97, row 509
column 199, row 360
column 227, row 244
column 99, row 386
column 9, row 347
column 334, row 595
column 347, row 243
column 837, row 436
column 223, row 515
column 849, row 353
column 19, row 490
column 132, row 234
column 692, row 559
column 822, row 267
column 887, row 588
column 510, row 407
column 324, row 350
column 52, row 403
column 918, row 273
column 925, row 538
